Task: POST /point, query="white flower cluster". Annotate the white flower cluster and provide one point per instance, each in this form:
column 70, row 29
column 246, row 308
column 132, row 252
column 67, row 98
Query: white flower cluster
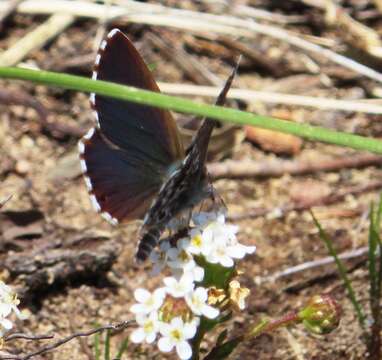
column 174, row 311
column 8, row 304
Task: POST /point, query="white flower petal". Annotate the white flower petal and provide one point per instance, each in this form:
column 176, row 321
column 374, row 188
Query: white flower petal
column 165, row 344
column 138, row 336
column 189, row 330
column 5, row 308
column 237, row 252
column 173, row 253
column 221, row 219
column 178, row 288
column 177, row 322
column 159, row 295
column 169, row 281
column 208, row 235
column 141, row 295
column 201, row 293
column 165, row 329
column 141, row 319
column 249, row 249
column 184, row 350
column 150, row 338
column 138, row 309
column 198, row 273
column 210, row 312
column 6, row 324
column 226, row 261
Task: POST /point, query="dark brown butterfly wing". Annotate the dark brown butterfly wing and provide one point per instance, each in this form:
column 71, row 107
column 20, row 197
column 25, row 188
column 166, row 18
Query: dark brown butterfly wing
column 128, row 156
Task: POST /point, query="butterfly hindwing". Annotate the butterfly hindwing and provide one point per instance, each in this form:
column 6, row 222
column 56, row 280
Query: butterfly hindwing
column 121, row 185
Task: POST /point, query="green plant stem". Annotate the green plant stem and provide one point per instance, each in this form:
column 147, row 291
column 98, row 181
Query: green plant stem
column 374, row 346
column 107, row 345
column 341, row 269
column 186, row 106
column 266, row 325
column 196, row 341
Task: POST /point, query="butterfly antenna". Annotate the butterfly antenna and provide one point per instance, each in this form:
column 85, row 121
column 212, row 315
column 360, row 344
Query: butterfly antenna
column 223, row 93
column 203, row 135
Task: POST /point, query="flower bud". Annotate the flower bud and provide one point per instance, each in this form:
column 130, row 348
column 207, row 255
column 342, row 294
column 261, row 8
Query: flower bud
column 321, row 315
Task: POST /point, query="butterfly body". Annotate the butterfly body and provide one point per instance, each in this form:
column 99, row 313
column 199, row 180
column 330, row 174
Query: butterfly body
column 133, row 161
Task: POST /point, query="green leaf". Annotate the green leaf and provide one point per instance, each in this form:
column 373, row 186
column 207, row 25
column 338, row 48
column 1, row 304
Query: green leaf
column 215, row 274
column 224, row 350
column 222, row 336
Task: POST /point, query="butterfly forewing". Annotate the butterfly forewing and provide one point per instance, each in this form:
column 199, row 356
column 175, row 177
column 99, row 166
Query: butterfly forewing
column 127, row 157
column 126, row 124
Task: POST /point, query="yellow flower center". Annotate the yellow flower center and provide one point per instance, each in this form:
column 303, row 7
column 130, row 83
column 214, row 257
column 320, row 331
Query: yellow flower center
column 148, row 327
column 175, row 334
column 220, row 251
column 183, row 256
column 196, row 301
column 197, row 240
column 150, row 301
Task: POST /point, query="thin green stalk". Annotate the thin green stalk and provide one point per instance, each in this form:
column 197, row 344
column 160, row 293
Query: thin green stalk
column 186, row 106
column 379, row 214
column 97, row 352
column 107, row 345
column 341, row 269
column 375, row 275
column 122, row 348
column 377, row 230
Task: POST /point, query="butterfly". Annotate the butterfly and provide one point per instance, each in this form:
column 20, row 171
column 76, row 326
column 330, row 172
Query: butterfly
column 133, row 160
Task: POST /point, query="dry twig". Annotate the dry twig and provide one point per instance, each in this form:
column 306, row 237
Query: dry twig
column 351, row 30
column 250, row 169
column 272, row 98
column 280, row 212
column 11, row 8
column 36, row 39
column 117, row 327
column 157, row 15
column 15, row 336
column 351, row 254
column 193, row 68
